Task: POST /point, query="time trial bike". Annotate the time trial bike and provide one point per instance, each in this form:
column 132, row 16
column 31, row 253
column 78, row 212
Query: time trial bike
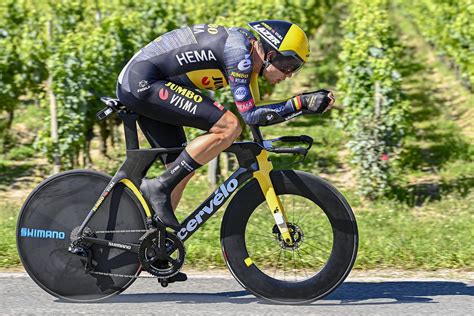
column 287, row 236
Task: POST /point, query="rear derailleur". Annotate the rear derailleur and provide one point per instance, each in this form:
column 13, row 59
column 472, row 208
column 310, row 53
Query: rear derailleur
column 81, row 248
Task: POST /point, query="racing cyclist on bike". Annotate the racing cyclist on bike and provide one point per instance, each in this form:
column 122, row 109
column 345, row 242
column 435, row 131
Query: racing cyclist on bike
column 161, row 84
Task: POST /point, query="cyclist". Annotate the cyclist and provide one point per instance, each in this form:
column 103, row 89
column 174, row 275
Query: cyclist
column 160, row 83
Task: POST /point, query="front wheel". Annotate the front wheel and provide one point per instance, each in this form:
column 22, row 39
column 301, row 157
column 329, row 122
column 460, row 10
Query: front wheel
column 324, row 231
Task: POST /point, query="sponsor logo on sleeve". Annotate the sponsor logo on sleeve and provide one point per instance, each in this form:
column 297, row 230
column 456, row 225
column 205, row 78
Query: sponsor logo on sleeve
column 240, row 93
column 239, row 75
column 245, row 106
column 239, row 80
column 245, row 63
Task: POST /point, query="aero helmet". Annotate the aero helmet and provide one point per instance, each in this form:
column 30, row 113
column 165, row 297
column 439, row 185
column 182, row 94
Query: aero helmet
column 286, row 38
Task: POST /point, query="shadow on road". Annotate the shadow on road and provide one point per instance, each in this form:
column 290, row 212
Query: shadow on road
column 357, row 293
column 398, row 292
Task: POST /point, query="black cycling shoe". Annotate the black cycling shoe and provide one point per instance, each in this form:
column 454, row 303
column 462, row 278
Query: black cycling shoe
column 178, row 277
column 159, row 195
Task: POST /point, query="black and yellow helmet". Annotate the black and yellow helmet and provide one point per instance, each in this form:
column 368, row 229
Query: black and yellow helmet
column 288, row 39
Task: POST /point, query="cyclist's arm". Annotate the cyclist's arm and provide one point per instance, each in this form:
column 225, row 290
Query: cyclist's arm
column 244, row 86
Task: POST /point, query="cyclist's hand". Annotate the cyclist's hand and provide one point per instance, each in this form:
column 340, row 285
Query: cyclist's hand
column 319, row 101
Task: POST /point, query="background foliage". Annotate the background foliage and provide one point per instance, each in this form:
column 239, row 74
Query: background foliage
column 401, row 136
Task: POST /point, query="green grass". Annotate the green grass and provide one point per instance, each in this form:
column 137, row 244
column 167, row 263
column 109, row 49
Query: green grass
column 434, row 236
column 8, row 216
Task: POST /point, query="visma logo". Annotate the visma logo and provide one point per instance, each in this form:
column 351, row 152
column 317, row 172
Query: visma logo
column 41, row 233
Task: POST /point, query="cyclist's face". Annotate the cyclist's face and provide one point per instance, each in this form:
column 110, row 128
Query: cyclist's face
column 273, row 75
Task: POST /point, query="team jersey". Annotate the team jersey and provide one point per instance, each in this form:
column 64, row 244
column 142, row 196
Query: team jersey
column 210, row 57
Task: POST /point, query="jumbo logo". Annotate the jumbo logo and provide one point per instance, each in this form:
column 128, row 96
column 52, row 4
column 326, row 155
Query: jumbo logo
column 184, row 92
column 163, row 94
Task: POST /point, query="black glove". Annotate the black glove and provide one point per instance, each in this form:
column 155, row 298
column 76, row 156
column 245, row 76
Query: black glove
column 318, row 101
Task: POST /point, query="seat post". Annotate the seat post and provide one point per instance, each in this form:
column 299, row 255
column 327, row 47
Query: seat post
column 130, row 129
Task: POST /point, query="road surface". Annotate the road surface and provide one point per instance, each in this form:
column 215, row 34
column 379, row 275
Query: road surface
column 220, row 294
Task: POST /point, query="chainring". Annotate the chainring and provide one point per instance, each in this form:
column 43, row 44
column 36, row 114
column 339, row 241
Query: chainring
column 162, row 265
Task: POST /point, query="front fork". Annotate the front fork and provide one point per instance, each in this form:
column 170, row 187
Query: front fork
column 263, row 177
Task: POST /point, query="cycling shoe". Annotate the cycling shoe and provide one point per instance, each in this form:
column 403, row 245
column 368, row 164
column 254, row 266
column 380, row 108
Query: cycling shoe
column 178, row 277
column 159, row 196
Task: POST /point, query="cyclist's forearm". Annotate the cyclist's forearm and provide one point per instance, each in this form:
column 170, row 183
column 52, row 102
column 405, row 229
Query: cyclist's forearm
column 268, row 112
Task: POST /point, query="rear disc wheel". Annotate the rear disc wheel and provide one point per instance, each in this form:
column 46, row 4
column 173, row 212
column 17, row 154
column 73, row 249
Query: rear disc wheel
column 47, row 219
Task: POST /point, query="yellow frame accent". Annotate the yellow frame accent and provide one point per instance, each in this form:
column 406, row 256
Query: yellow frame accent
column 263, row 177
column 129, row 184
column 248, row 262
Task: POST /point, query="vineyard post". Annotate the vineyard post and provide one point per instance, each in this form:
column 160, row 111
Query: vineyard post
column 53, row 110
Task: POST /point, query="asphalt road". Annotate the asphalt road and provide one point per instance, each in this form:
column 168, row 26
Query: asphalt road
column 221, row 294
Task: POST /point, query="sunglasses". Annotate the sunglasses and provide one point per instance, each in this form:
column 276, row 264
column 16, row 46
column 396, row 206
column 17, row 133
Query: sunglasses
column 287, row 62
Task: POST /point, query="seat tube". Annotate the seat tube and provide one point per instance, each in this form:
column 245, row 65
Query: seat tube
column 130, row 129
column 276, row 207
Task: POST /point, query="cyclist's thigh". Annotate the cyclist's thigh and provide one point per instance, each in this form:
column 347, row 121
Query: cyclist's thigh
column 163, row 135
column 167, row 102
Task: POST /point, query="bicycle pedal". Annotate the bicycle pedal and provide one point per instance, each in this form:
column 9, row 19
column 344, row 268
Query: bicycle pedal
column 179, row 277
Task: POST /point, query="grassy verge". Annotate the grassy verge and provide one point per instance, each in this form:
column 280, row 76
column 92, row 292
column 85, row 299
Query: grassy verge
column 434, row 236
column 8, row 253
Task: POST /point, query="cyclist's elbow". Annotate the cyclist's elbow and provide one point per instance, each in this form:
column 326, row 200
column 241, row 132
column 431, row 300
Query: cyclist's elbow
column 249, row 118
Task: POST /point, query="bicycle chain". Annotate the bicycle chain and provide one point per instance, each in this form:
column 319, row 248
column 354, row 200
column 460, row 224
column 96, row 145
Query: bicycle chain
column 117, row 274
column 124, row 275
column 121, row 231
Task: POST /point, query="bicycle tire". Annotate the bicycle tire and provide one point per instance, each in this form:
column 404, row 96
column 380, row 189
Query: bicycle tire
column 49, row 214
column 251, row 273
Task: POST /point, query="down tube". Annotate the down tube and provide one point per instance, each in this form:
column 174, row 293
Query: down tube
column 214, row 202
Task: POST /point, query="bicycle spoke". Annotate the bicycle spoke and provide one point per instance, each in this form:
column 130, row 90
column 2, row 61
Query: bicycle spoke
column 264, row 236
column 294, row 262
column 315, row 247
column 276, row 267
column 304, row 269
column 302, row 216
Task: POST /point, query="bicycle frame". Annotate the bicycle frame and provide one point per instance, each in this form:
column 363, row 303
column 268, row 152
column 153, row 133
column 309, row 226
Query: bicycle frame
column 254, row 162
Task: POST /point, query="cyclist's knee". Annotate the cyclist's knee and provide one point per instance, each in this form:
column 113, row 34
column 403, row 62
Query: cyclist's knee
column 228, row 127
